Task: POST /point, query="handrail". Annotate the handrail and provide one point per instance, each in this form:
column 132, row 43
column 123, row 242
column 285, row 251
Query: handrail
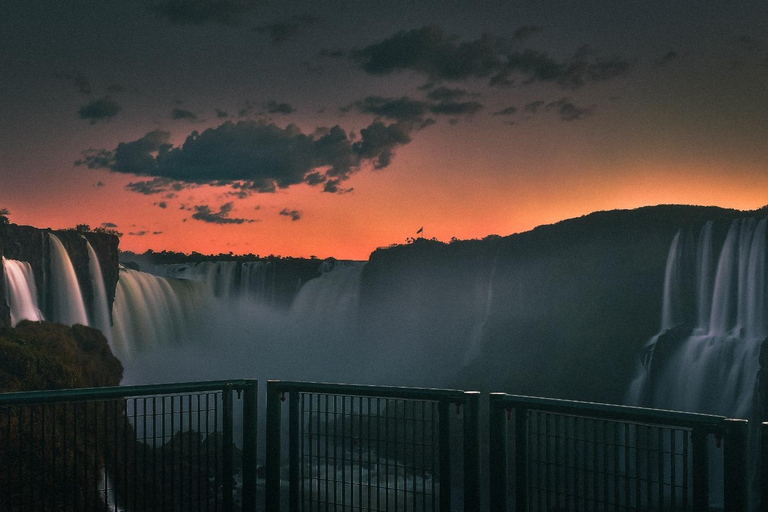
column 714, row 423
column 435, row 394
column 82, row 394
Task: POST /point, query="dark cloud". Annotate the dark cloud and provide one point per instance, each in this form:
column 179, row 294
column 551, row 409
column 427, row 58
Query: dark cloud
column 221, row 114
column 179, row 113
column 252, row 155
column 108, row 225
column 403, row 109
column 155, row 186
column 204, row 213
column 533, row 106
column 410, row 110
column 442, row 57
column 99, row 110
column 447, row 94
column 506, row 111
column 452, row 108
column 273, row 107
column 200, row 12
column 99, row 184
column 139, row 233
column 524, row 33
column 568, row 111
column 293, row 214
column 282, row 30
column 162, row 204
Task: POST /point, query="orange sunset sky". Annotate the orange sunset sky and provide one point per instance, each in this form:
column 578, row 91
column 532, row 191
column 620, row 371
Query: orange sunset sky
column 333, row 128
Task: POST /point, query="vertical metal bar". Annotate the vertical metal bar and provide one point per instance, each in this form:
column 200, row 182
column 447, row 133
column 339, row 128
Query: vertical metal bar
column 272, row 470
column 521, row 459
column 294, row 445
column 250, row 418
column 735, row 466
column 228, row 472
column 171, row 446
column 471, row 451
column 763, row 455
column 627, row 487
column 497, row 453
column 660, row 461
column 685, row 470
column 444, row 419
column 672, row 468
column 700, row 469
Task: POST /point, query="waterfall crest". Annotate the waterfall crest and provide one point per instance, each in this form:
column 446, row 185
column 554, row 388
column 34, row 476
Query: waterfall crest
column 67, row 306
column 20, row 291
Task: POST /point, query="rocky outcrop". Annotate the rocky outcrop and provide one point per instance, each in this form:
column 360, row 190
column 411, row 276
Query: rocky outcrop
column 27, row 243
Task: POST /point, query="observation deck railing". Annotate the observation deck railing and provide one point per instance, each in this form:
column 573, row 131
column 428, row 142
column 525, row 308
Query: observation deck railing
column 568, row 455
column 354, row 447
column 158, row 447
column 361, row 448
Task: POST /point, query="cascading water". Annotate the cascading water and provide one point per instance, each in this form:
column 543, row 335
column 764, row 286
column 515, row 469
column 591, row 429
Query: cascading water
column 67, row 304
column 254, row 280
column 154, row 311
column 20, row 291
column 100, row 314
column 717, row 333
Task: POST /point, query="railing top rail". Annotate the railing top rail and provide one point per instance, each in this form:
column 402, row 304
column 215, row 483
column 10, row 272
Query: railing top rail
column 434, row 394
column 613, row 412
column 105, row 393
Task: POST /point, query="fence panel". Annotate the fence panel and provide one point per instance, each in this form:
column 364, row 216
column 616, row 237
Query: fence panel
column 567, row 455
column 365, row 448
column 165, row 447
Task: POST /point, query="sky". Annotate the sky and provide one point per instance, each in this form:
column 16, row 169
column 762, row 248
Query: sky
column 331, row 128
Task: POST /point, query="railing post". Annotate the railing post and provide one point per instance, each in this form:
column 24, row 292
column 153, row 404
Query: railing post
column 272, row 470
column 521, row 459
column 700, row 460
column 763, row 455
column 228, row 471
column 444, row 443
column 497, row 456
column 471, row 451
column 250, row 434
column 294, row 456
column 735, row 466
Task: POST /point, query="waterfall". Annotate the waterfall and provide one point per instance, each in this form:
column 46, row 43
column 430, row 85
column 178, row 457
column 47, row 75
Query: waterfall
column 20, row 291
column 100, row 314
column 484, row 302
column 711, row 356
column 154, row 311
column 331, row 299
column 67, row 304
column 251, row 279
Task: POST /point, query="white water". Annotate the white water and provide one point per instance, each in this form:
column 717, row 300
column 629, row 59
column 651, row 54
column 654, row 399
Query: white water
column 254, row 280
column 20, row 291
column 100, row 314
column 153, row 311
column 714, row 369
column 67, row 306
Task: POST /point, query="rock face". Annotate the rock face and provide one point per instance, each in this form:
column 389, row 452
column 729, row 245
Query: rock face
column 46, row 356
column 562, row 310
column 27, row 243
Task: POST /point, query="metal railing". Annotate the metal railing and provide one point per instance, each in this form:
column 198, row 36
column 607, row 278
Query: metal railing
column 569, row 455
column 158, row 447
column 365, row 448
